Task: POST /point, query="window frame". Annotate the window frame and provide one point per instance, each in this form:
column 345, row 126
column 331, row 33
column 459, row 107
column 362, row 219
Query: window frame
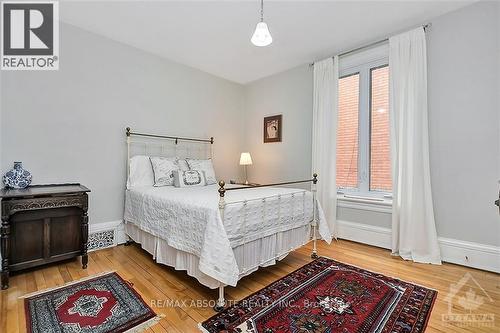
column 363, row 63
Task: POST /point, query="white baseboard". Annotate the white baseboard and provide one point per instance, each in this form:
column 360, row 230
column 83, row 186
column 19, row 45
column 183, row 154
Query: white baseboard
column 470, row 254
column 96, row 227
column 454, row 251
column 364, row 233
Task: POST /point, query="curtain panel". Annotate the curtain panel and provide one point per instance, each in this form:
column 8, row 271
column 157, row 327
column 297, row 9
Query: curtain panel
column 325, row 105
column 414, row 234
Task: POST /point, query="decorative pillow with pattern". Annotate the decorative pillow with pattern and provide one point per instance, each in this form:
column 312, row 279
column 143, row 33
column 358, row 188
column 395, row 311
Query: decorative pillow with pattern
column 163, row 168
column 189, row 178
column 206, row 166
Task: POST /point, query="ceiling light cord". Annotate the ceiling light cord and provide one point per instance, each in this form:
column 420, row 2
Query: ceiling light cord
column 262, row 10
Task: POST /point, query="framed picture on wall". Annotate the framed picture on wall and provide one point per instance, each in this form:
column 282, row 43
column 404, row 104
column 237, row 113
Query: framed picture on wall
column 272, row 129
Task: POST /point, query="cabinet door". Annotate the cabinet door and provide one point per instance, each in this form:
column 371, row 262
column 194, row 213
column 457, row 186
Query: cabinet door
column 65, row 232
column 27, row 238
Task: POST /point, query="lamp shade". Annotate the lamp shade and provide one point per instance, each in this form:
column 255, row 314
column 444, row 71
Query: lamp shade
column 261, row 36
column 245, row 159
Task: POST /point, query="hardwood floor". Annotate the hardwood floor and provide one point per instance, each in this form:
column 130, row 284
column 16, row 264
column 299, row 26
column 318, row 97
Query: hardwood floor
column 160, row 285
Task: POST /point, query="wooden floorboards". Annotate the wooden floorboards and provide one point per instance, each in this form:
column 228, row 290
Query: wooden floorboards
column 184, row 302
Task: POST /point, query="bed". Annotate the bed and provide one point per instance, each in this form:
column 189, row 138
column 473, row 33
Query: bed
column 218, row 233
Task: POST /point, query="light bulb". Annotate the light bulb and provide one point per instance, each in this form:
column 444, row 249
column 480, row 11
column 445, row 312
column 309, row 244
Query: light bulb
column 261, row 36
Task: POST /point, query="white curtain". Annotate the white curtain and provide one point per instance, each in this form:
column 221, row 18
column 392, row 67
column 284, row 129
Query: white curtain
column 325, row 103
column 414, row 234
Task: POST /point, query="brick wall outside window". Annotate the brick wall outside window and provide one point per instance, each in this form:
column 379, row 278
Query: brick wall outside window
column 380, row 158
column 347, row 132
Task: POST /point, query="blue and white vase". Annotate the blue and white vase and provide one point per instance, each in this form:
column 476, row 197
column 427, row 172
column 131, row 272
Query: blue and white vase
column 17, row 177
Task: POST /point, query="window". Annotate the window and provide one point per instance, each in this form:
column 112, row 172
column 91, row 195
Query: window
column 363, row 146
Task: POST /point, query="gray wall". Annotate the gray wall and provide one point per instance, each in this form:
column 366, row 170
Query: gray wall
column 290, row 94
column 464, row 111
column 68, row 125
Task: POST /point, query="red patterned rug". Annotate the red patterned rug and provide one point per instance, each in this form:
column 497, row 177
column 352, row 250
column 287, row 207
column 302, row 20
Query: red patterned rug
column 103, row 304
column 329, row 296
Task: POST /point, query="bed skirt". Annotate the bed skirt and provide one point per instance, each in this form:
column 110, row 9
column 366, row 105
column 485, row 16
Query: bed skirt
column 249, row 257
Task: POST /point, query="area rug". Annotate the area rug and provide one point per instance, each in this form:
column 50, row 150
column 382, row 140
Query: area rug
column 100, row 304
column 329, row 296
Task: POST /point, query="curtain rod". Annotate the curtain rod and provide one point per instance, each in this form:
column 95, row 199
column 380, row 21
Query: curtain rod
column 425, row 26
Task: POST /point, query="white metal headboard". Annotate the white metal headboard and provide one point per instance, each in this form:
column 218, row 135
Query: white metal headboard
column 167, row 146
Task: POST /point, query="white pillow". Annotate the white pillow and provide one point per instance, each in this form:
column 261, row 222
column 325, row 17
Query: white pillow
column 182, row 164
column 163, row 168
column 141, row 172
column 189, row 178
column 206, row 166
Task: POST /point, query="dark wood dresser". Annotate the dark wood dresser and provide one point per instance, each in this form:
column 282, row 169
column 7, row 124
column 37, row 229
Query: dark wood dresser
column 43, row 224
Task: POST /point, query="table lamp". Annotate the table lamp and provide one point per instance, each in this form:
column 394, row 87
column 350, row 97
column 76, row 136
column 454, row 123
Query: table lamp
column 245, row 159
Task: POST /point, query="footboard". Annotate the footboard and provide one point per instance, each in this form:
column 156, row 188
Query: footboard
column 314, row 221
column 313, row 181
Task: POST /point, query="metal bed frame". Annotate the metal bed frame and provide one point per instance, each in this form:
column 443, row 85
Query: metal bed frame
column 221, row 302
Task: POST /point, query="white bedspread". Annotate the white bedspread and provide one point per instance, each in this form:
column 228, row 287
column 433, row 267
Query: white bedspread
column 188, row 219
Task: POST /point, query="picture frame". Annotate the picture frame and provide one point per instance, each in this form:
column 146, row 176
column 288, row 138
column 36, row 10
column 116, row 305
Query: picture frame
column 273, row 128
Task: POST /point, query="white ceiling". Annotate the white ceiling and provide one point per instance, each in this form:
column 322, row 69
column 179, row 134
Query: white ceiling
column 214, row 36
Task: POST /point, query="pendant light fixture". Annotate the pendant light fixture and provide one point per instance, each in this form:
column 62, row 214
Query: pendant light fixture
column 261, row 36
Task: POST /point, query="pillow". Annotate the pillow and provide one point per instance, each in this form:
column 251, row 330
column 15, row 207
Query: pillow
column 141, row 172
column 182, row 164
column 189, row 178
column 163, row 168
column 205, row 166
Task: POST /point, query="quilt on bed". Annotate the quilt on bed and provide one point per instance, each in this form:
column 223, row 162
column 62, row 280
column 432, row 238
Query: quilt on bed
column 189, row 220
